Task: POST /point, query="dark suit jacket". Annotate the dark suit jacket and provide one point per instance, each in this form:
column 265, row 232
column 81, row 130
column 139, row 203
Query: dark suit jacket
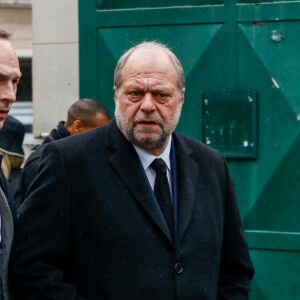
column 90, row 228
column 29, row 171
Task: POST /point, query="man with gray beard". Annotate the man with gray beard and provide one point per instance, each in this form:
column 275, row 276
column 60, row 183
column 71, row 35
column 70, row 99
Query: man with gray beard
column 133, row 210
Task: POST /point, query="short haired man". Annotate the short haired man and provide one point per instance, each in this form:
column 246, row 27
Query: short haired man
column 133, row 210
column 83, row 115
column 9, row 77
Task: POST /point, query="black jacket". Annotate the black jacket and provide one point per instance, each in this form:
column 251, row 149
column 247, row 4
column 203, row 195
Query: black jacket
column 7, row 191
column 90, row 228
column 7, row 212
column 30, row 168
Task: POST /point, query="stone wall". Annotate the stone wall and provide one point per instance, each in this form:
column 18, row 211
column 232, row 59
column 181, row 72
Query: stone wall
column 17, row 21
column 16, row 3
column 55, row 61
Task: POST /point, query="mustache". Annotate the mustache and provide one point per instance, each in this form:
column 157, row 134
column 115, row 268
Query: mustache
column 148, row 117
column 5, row 105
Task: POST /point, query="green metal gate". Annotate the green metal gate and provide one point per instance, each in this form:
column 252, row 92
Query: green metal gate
column 242, row 65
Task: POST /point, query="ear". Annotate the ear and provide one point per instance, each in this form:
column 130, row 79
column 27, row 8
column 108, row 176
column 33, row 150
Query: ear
column 116, row 94
column 76, row 127
column 182, row 96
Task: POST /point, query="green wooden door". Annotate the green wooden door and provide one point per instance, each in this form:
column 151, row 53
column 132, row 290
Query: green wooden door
column 242, row 62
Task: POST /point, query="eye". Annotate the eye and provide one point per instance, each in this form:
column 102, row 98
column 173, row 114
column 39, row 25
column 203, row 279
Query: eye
column 16, row 80
column 135, row 93
column 161, row 97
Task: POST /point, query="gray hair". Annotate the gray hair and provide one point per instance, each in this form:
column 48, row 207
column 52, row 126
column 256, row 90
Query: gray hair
column 4, row 35
column 123, row 59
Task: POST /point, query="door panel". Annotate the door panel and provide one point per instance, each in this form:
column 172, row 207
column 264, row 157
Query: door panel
column 235, row 47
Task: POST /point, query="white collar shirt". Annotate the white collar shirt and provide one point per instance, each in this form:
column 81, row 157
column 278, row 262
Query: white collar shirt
column 147, row 158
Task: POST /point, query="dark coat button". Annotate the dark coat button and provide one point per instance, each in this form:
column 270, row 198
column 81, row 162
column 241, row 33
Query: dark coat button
column 178, row 268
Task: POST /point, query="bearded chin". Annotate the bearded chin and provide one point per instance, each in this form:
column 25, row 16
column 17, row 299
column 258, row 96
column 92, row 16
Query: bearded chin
column 146, row 138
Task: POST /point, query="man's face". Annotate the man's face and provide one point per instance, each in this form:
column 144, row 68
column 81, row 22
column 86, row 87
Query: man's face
column 148, row 102
column 9, row 77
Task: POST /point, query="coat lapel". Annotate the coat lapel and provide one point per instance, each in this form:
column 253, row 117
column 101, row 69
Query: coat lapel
column 187, row 174
column 125, row 161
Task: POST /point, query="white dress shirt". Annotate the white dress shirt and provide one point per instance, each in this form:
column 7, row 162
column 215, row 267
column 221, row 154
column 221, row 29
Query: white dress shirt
column 147, row 158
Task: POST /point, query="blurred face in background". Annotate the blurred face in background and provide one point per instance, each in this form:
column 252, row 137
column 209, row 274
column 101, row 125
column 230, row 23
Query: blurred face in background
column 9, row 78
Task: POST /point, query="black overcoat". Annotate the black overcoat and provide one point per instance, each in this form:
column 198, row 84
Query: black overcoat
column 90, row 229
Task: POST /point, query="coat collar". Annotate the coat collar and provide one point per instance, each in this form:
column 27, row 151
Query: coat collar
column 187, row 177
column 126, row 163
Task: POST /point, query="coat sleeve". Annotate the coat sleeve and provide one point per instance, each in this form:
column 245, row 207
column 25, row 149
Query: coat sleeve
column 236, row 269
column 28, row 174
column 42, row 237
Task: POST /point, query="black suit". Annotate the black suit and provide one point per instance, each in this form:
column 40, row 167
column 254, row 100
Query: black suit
column 29, row 171
column 90, row 228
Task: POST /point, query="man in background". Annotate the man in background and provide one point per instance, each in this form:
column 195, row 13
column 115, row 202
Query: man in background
column 83, row 115
column 9, row 78
column 133, row 209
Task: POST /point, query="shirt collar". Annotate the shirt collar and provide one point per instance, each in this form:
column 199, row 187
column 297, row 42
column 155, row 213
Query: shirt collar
column 147, row 158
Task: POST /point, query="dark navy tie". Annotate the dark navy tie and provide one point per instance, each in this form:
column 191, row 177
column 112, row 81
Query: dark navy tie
column 162, row 192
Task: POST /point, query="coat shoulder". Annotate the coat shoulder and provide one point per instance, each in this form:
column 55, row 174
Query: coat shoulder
column 85, row 140
column 197, row 148
column 35, row 155
column 78, row 148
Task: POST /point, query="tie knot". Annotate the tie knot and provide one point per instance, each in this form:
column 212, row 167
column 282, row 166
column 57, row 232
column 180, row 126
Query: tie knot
column 159, row 165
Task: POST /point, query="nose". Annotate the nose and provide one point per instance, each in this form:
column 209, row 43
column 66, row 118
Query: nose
column 8, row 92
column 148, row 104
